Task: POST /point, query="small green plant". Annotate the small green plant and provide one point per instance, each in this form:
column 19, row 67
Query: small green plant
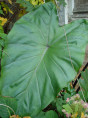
column 75, row 107
column 67, row 92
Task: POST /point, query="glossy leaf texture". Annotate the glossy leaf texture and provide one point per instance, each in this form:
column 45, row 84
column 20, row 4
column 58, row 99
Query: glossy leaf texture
column 38, row 65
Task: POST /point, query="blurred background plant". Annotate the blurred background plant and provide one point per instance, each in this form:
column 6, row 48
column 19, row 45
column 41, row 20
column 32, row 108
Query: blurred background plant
column 12, row 10
column 75, row 107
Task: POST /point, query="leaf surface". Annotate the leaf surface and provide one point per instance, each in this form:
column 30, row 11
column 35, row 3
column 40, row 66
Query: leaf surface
column 38, row 65
column 51, row 114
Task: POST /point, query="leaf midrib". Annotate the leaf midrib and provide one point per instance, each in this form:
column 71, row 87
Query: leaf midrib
column 35, row 70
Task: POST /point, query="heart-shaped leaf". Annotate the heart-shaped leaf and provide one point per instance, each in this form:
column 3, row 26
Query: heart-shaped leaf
column 38, row 65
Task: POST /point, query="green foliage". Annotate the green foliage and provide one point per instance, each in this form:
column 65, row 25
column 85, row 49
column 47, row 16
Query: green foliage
column 40, row 115
column 29, row 5
column 59, row 103
column 84, row 84
column 49, row 114
column 69, row 91
column 68, row 108
column 61, row 100
column 75, row 107
column 3, row 37
column 62, row 2
column 38, row 66
column 5, row 6
column 1, row 11
column 5, row 104
column 26, row 4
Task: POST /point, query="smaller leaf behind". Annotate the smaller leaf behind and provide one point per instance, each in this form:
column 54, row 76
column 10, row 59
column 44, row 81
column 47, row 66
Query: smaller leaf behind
column 84, row 84
column 49, row 114
column 59, row 103
column 5, row 112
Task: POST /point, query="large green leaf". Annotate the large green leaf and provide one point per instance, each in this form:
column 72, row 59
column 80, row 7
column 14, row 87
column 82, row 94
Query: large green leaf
column 38, row 65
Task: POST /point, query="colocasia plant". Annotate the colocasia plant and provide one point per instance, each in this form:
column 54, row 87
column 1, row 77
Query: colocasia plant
column 75, row 107
column 38, row 63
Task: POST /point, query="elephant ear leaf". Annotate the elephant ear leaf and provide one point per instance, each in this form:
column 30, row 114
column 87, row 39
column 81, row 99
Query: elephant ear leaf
column 38, row 65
